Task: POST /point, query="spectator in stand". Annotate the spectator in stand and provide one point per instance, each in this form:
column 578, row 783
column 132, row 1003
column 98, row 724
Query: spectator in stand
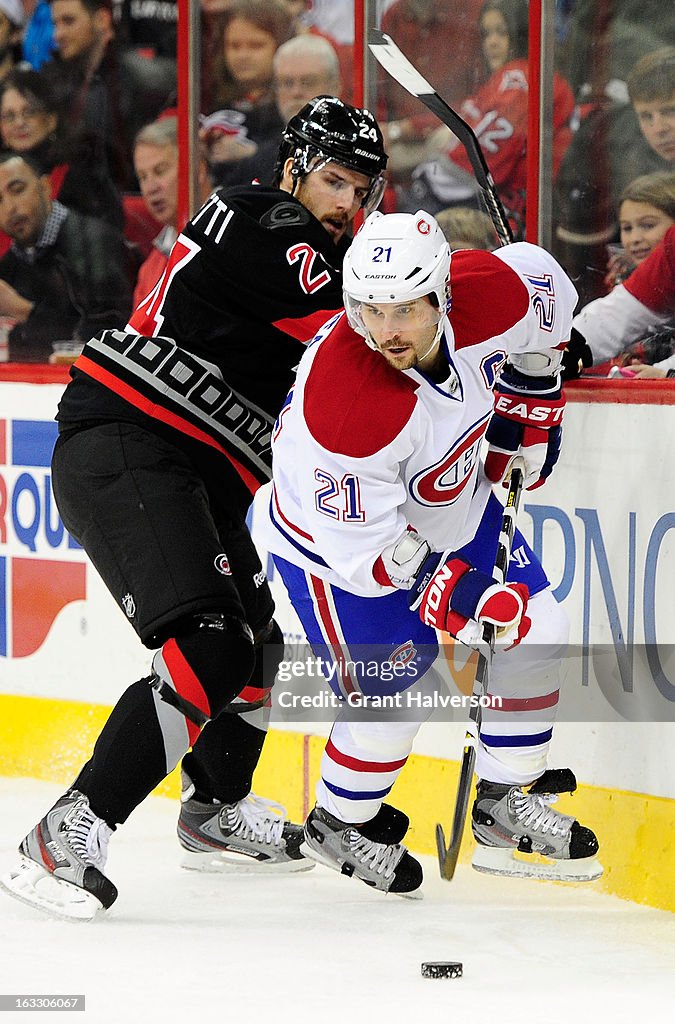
column 498, row 113
column 38, row 38
column 443, row 42
column 300, row 11
column 615, row 143
column 107, row 91
column 304, row 67
column 11, row 23
column 466, row 228
column 64, row 277
column 156, row 164
column 30, row 122
column 640, row 310
column 242, row 76
column 646, row 211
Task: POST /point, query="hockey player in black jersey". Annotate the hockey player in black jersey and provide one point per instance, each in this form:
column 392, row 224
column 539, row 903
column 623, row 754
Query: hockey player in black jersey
column 164, row 436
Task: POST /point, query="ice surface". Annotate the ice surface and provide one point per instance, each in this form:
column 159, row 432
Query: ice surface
column 319, row 948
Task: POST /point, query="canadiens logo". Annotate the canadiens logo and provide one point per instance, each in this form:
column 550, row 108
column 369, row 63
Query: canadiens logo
column 222, row 564
column 423, row 226
column 403, row 654
column 444, row 482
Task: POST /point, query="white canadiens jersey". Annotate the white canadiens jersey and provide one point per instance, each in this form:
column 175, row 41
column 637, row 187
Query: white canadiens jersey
column 360, row 449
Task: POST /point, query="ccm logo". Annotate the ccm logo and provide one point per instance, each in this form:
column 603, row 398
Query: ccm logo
column 434, row 594
column 549, row 414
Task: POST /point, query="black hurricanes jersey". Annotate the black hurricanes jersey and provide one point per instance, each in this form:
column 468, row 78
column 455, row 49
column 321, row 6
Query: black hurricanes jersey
column 211, row 351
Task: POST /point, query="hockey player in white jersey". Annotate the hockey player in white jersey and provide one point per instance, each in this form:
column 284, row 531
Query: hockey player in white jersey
column 383, row 525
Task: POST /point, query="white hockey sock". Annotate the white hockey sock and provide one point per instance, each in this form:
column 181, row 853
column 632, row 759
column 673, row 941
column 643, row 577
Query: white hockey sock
column 514, row 740
column 360, row 764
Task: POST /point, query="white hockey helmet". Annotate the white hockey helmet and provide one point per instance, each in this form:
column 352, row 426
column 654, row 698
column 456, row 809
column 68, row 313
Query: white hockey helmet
column 396, row 257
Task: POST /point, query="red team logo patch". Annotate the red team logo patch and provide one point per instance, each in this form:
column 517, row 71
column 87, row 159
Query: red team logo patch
column 403, row 654
column 444, row 482
column 423, row 226
column 222, row 564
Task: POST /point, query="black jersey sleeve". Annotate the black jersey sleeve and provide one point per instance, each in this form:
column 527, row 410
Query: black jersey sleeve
column 253, row 258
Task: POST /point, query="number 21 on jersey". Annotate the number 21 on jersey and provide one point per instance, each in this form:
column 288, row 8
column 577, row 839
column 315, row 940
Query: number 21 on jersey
column 339, row 499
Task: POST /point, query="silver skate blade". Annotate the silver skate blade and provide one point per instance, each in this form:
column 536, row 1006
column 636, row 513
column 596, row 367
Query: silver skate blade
column 308, row 851
column 33, row 885
column 230, row 862
column 493, row 860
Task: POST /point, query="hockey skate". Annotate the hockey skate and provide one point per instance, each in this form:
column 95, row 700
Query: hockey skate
column 62, row 861
column 518, row 833
column 251, row 835
column 370, row 852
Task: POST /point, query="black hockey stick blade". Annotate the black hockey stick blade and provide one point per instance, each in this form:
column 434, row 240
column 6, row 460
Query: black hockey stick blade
column 448, row 855
column 393, row 60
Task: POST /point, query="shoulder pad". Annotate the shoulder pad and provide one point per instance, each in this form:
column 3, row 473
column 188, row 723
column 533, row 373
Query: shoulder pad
column 355, row 404
column 488, row 297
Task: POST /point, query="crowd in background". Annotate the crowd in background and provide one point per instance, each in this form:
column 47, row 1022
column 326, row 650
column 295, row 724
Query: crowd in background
column 89, row 163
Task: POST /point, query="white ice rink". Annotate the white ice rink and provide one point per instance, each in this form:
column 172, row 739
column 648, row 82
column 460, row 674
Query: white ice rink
column 184, row 947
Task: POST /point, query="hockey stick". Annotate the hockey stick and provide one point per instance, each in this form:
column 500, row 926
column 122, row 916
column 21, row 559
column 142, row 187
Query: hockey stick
column 393, row 60
column 447, row 856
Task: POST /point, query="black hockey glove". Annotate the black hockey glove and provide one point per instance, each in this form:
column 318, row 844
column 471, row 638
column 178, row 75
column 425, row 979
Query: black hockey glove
column 577, row 357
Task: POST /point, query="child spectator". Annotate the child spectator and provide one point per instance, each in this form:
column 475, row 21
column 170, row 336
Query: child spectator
column 639, row 311
column 646, row 211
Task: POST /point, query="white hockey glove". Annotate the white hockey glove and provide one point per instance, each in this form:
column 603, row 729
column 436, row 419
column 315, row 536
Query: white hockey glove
column 399, row 563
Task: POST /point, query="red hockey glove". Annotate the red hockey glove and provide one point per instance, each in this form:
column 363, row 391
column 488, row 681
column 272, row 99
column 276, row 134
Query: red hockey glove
column 526, row 421
column 454, row 597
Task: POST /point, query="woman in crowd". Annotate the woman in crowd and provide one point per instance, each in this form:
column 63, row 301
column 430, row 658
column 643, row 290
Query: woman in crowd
column 499, row 116
column 241, row 76
column 30, row 123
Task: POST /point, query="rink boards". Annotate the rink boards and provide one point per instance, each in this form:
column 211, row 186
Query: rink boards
column 605, row 528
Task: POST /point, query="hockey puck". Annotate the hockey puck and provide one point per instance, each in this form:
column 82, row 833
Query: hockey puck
column 442, row 969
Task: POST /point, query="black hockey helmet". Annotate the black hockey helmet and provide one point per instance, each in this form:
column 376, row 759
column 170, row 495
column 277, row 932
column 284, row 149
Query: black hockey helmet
column 328, row 129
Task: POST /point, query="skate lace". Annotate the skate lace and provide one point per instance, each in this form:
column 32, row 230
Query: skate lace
column 87, row 835
column 257, row 819
column 534, row 812
column 379, row 857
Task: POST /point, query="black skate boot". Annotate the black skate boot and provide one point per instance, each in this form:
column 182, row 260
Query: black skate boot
column 518, row 833
column 62, row 861
column 370, row 852
column 250, row 835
